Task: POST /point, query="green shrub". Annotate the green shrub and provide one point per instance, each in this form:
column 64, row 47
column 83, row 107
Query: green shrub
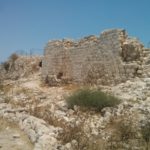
column 91, row 99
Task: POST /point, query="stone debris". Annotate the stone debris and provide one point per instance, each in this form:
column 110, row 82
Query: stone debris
column 22, row 66
column 37, row 130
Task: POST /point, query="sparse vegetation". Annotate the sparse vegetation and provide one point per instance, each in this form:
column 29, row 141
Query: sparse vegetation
column 77, row 134
column 112, row 129
column 128, row 135
column 7, row 99
column 91, row 99
column 145, row 131
column 13, row 57
column 6, row 65
column 126, row 130
column 123, row 134
column 1, row 87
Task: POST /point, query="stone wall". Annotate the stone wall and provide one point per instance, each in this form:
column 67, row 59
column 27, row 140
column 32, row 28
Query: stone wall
column 110, row 58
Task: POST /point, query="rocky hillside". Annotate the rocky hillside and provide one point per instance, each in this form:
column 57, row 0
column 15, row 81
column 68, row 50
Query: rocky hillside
column 42, row 112
column 18, row 66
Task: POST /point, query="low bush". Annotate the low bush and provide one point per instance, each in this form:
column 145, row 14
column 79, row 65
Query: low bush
column 91, row 99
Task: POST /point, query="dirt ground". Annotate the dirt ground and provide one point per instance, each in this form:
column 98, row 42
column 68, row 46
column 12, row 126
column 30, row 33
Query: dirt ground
column 12, row 138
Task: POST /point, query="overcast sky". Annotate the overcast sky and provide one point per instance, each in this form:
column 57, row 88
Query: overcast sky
column 29, row 24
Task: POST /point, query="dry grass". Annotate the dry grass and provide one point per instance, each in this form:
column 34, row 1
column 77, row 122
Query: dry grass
column 6, row 66
column 124, row 131
column 6, row 88
column 1, row 87
column 145, row 131
column 77, row 133
column 126, row 134
column 6, row 92
column 71, row 87
column 4, row 123
column 13, row 57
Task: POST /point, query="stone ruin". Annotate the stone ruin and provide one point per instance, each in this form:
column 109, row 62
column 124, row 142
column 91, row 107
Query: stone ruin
column 111, row 58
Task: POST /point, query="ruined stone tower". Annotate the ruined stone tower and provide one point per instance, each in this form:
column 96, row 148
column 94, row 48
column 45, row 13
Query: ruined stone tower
column 110, row 58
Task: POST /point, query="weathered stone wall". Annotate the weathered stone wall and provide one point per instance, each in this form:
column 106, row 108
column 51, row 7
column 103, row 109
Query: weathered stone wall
column 108, row 59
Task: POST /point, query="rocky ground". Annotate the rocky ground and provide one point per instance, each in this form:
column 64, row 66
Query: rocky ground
column 41, row 113
column 13, row 138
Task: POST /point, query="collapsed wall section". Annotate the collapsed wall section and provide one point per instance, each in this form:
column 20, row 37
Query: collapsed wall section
column 18, row 66
column 110, row 58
